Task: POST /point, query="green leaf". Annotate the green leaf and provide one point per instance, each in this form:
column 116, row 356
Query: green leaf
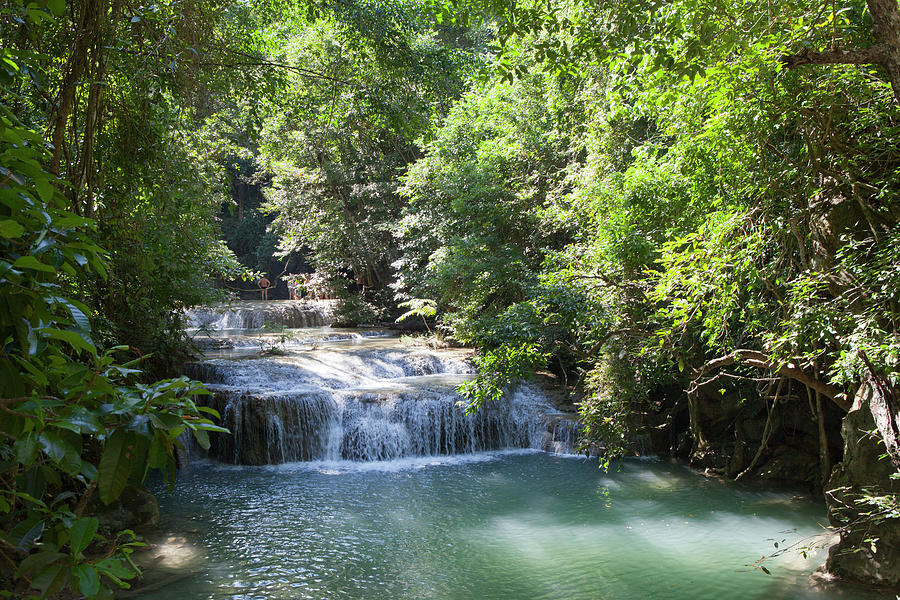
column 11, row 229
column 81, row 420
column 45, row 190
column 37, row 562
column 78, row 314
column 166, row 421
column 57, row 7
column 51, row 579
column 89, row 470
column 88, row 579
column 26, row 449
column 209, row 410
column 208, row 426
column 53, row 445
column 115, row 465
column 73, row 338
column 27, row 533
column 30, row 262
column 81, row 533
column 116, row 570
column 158, row 453
column 71, row 443
column 202, row 438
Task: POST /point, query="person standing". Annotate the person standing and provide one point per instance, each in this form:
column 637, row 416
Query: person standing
column 264, row 284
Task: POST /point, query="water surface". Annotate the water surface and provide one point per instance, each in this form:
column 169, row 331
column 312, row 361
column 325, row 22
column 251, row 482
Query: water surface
column 505, row 525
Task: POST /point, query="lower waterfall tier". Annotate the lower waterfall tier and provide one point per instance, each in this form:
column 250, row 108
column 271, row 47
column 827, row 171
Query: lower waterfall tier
column 273, row 427
column 367, row 399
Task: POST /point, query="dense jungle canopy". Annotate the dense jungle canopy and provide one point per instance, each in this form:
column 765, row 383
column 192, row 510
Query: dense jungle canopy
column 685, row 211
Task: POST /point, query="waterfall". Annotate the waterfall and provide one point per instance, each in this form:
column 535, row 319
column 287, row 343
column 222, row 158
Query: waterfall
column 366, row 398
column 272, row 428
column 255, row 315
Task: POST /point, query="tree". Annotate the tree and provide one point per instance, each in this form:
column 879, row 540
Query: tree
column 72, row 420
column 884, row 52
column 336, row 142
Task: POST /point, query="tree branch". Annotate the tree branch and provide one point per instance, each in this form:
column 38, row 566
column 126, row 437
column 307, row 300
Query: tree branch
column 873, row 55
column 760, row 360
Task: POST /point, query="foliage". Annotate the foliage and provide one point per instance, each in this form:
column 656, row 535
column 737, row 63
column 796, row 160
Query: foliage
column 691, row 198
column 418, row 307
column 499, row 368
column 117, row 87
column 360, row 308
column 473, row 234
column 72, row 419
column 367, row 80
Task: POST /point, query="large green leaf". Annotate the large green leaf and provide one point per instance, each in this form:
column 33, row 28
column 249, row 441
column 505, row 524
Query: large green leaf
column 26, row 449
column 116, row 570
column 88, row 579
column 64, row 448
column 30, row 262
column 51, row 579
column 73, row 338
column 28, row 532
column 11, row 229
column 81, row 533
column 115, row 465
column 77, row 310
column 38, row 561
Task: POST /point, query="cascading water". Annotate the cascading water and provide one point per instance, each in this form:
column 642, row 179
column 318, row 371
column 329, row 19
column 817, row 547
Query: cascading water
column 386, row 494
column 255, row 315
column 277, row 427
column 363, row 399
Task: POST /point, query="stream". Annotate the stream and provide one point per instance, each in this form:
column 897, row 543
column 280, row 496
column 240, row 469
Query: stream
column 354, row 473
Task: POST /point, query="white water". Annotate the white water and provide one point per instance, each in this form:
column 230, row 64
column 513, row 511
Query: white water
column 255, row 315
column 328, row 396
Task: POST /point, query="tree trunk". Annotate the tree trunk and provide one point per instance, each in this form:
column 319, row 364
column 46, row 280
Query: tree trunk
column 700, row 444
column 75, row 66
column 886, row 29
column 824, row 454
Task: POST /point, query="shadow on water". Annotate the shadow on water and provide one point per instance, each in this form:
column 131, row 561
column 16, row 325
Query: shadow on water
column 493, row 525
column 442, row 520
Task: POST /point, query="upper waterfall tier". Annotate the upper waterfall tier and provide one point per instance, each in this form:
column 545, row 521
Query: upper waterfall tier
column 366, row 363
column 255, row 315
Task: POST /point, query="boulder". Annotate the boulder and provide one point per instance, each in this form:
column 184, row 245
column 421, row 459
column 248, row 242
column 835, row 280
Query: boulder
column 135, row 509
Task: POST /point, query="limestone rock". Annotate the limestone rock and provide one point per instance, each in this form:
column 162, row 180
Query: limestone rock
column 853, row 557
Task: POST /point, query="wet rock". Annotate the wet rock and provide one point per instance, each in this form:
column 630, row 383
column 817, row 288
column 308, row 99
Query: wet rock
column 790, row 466
column 135, row 509
column 278, row 427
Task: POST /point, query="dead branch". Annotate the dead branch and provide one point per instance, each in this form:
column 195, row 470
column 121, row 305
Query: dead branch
column 884, row 409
